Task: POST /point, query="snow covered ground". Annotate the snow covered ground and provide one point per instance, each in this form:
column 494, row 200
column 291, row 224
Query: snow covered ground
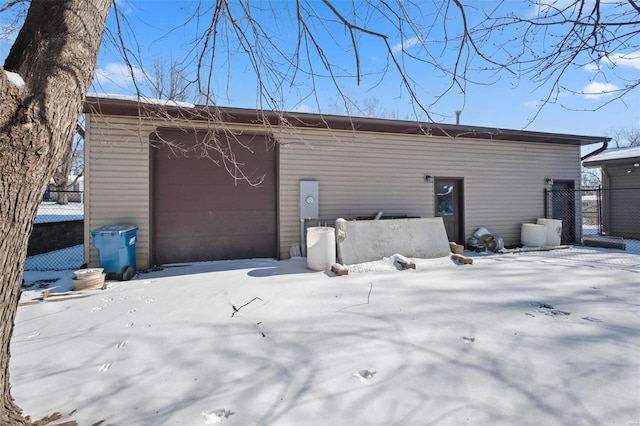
column 547, row 338
column 66, row 258
column 50, row 211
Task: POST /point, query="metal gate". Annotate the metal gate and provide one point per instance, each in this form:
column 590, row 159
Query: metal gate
column 597, row 216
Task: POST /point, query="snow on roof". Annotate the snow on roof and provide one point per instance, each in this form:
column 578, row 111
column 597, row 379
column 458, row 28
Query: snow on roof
column 616, row 154
column 143, row 99
column 14, row 78
column 128, row 106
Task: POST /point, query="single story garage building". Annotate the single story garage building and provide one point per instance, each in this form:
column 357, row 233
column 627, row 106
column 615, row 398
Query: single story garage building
column 205, row 183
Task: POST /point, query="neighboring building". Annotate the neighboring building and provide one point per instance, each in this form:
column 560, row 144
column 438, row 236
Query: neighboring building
column 188, row 209
column 620, row 169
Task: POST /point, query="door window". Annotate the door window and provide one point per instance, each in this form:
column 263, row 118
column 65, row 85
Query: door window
column 444, row 199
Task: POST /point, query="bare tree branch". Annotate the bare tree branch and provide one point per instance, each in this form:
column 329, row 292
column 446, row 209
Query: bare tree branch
column 634, row 5
column 11, row 4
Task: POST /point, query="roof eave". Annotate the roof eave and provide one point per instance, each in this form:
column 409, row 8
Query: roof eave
column 612, row 162
column 110, row 106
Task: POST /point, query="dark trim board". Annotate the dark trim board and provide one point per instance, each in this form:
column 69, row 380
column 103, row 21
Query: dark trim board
column 267, row 119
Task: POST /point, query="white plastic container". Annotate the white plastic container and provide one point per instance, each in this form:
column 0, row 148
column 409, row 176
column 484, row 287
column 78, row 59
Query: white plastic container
column 554, row 230
column 533, row 235
column 321, row 248
column 480, row 232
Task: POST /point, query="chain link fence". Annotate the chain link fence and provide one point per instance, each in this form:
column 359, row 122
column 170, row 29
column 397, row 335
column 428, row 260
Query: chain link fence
column 56, row 242
column 597, row 217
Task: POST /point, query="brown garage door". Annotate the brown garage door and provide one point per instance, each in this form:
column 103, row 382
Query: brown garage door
column 200, row 212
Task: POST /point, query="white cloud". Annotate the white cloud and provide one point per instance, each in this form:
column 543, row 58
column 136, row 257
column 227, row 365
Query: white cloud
column 413, row 41
column 592, row 67
column 630, row 60
column 302, row 108
column 532, row 104
column 627, row 60
column 596, row 90
column 544, row 7
column 118, row 74
column 125, row 6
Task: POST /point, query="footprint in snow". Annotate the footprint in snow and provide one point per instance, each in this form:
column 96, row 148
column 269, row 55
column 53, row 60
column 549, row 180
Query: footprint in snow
column 105, row 303
column 541, row 305
column 216, row 416
column 364, row 375
column 105, row 367
column 591, row 319
column 547, row 309
column 556, row 312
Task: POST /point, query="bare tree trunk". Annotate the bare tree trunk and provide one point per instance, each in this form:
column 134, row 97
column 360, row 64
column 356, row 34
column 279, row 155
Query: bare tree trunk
column 55, row 53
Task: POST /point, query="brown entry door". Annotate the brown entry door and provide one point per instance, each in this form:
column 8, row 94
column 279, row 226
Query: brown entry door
column 449, row 206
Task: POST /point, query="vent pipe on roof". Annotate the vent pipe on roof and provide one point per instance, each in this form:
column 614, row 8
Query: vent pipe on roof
column 458, row 112
column 604, row 146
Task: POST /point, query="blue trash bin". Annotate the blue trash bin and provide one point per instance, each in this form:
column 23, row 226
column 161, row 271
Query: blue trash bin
column 116, row 245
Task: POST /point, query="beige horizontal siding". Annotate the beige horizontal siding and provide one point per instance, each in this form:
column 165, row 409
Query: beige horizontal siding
column 622, row 201
column 117, row 175
column 117, row 180
column 361, row 174
column 623, row 176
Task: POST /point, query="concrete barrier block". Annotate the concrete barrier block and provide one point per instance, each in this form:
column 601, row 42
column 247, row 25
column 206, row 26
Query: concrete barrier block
column 368, row 240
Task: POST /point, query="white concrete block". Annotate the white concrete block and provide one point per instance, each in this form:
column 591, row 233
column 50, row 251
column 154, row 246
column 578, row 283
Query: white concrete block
column 368, row 240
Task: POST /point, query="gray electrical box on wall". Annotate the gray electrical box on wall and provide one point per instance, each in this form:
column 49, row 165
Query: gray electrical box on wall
column 308, row 199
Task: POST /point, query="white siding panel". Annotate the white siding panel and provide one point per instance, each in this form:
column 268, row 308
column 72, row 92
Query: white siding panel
column 361, row 174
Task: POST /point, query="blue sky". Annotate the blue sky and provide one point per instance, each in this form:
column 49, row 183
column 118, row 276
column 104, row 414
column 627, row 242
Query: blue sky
column 157, row 29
